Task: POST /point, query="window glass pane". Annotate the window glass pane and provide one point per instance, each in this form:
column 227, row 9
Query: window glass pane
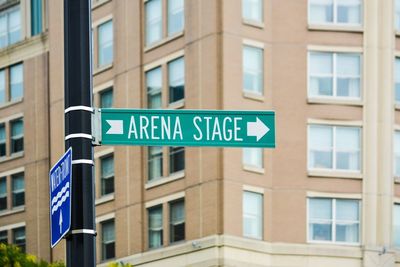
column 106, row 98
column 176, row 78
column 3, row 30
column 3, row 193
column 2, row 140
column 397, row 154
column 155, row 227
column 348, row 75
column 3, row 237
column 252, row 10
column 349, row 11
column 397, row 80
column 253, row 69
column 176, row 159
column 14, row 26
column 252, row 215
column 154, row 84
column 153, row 21
column 19, row 238
column 105, row 44
column 321, row 74
column 321, row 11
column 347, row 210
column 108, row 240
column 253, row 157
column 17, row 136
column 320, row 146
column 347, row 224
column 16, row 82
column 397, row 15
column 177, row 223
column 155, row 161
column 107, row 175
column 18, row 190
column 36, row 17
column 396, row 225
column 176, row 18
column 320, row 208
column 347, row 148
column 2, row 86
column 320, row 219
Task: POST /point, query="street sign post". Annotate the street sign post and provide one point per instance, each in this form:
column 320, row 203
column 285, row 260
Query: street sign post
column 60, row 197
column 219, row 128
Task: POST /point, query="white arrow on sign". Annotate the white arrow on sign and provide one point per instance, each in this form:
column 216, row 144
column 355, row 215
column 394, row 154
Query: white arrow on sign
column 60, row 221
column 116, row 127
column 257, row 129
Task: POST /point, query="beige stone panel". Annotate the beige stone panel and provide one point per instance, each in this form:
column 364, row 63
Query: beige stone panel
column 397, row 117
column 211, row 208
column 334, row 185
column 291, row 229
column 335, row 112
column 397, row 190
column 397, row 43
column 193, row 210
column 164, row 190
column 232, row 210
column 130, row 25
column 245, row 257
column 105, row 208
column 103, row 10
column 158, row 52
column 130, row 91
column 135, row 175
column 103, row 76
column 136, row 232
column 56, row 131
column 122, row 234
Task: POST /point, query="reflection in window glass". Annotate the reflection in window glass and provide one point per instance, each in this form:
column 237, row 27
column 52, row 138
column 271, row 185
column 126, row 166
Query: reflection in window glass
column 16, row 82
column 153, row 9
column 176, row 78
column 105, row 54
column 252, row 215
column 176, row 18
column 253, row 70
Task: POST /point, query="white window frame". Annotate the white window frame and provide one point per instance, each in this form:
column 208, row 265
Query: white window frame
column 260, row 191
column 254, row 45
column 335, row 17
column 334, row 198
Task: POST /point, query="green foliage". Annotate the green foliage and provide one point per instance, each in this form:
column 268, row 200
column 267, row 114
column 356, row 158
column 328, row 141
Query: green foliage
column 119, row 264
column 12, row 256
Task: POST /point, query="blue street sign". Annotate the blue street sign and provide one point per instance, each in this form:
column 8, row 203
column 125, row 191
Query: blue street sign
column 60, row 197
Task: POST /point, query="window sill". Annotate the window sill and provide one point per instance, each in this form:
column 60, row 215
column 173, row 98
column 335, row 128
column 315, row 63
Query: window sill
column 12, row 211
column 11, row 103
column 177, row 104
column 336, row 28
column 163, row 41
column 335, row 101
column 160, row 181
column 333, row 243
column 12, row 157
column 335, row 174
column 253, row 169
column 397, row 33
column 397, row 106
column 253, row 96
column 104, row 199
column 253, row 23
column 102, row 69
column 96, row 4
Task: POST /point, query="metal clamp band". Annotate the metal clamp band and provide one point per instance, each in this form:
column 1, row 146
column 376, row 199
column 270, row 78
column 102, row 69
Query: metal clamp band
column 83, row 161
column 79, row 135
column 74, row 108
column 84, row 231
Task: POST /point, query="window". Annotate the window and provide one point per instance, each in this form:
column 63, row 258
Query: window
column 397, row 81
column 155, row 20
column 106, row 98
column 155, row 162
column 10, row 26
column 3, row 193
column 105, row 44
column 19, row 238
column 176, row 18
column 396, row 225
column 252, row 215
column 107, row 175
column 11, row 83
column 2, row 140
column 253, row 70
column 397, row 15
column 17, row 136
column 108, row 240
column 334, row 147
column 177, row 221
column 339, row 12
column 18, row 190
column 3, row 237
column 252, row 10
column 176, row 159
column 335, row 75
column 36, row 17
column 333, row 220
column 16, row 82
column 396, row 150
column 176, row 79
column 253, row 157
column 154, row 86
column 155, row 227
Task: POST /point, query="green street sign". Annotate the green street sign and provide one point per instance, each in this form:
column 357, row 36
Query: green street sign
column 222, row 128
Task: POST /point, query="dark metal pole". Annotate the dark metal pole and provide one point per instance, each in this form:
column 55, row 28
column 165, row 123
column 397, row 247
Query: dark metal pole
column 81, row 250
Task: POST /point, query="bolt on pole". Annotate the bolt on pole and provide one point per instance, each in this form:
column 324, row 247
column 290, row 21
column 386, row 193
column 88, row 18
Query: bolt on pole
column 81, row 241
